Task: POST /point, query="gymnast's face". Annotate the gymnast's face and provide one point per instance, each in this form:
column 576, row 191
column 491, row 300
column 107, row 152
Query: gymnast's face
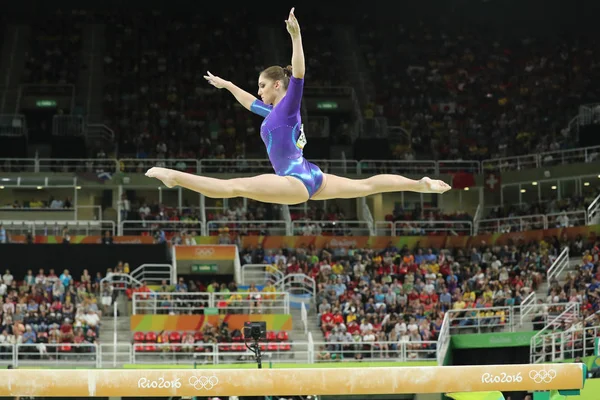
column 268, row 89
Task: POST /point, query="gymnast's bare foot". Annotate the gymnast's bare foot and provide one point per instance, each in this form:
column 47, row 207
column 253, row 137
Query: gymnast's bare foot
column 428, row 185
column 165, row 175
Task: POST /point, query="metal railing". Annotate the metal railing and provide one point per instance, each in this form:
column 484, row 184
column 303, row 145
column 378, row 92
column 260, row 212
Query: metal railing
column 559, row 265
column 420, row 228
column 270, row 227
column 261, row 274
column 13, row 125
column 152, row 227
column 55, row 228
column 506, row 318
column 567, row 317
column 412, row 167
column 331, row 228
column 189, row 350
column 299, row 284
column 565, row 345
column 567, row 219
column 344, row 166
column 402, row 350
column 181, row 303
column 56, row 354
column 512, row 224
column 592, row 210
column 68, row 125
column 155, row 274
column 517, row 163
column 304, row 317
column 482, row 320
column 444, row 338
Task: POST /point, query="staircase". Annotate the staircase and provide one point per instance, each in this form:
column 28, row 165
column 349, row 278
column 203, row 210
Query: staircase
column 91, row 80
column 12, row 61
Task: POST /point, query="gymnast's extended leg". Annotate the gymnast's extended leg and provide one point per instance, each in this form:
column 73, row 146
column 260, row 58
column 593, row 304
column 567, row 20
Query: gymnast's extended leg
column 337, row 187
column 267, row 188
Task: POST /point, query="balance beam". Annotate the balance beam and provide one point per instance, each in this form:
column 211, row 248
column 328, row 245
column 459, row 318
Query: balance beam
column 286, row 382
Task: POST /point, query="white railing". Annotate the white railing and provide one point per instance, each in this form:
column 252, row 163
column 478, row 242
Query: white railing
column 181, row 303
column 443, row 344
column 137, row 228
column 419, row 228
column 55, row 228
column 384, row 228
column 173, row 353
column 572, row 156
column 56, row 354
column 171, row 303
column 273, row 352
column 13, row 125
column 487, row 319
column 565, row 345
column 252, row 302
column 120, row 281
column 112, row 355
column 261, row 274
column 304, row 317
column 273, row 227
column 401, row 167
column 141, row 165
column 528, row 306
column 506, row 318
column 567, row 219
column 331, row 228
column 299, row 284
column 592, row 210
column 70, row 165
column 155, row 274
column 402, row 350
column 566, row 318
column 453, row 166
column 511, row 163
column 94, row 211
column 343, row 166
column 197, row 351
column 559, row 265
column 367, row 216
column 512, row 224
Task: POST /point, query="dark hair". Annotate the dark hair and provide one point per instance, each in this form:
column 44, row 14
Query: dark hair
column 277, row 73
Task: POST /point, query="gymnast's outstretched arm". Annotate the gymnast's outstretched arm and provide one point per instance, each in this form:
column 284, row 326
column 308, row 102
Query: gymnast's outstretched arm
column 293, row 28
column 243, row 97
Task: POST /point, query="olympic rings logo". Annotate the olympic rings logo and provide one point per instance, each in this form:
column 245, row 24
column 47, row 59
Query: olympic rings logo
column 542, row 376
column 205, row 251
column 203, row 382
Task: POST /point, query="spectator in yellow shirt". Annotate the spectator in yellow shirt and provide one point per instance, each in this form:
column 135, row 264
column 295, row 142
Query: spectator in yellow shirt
column 338, row 269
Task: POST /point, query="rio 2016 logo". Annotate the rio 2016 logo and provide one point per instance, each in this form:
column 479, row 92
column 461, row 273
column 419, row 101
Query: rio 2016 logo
column 501, row 378
column 160, row 383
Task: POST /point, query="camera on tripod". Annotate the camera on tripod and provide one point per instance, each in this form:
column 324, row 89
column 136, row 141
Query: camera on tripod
column 255, row 330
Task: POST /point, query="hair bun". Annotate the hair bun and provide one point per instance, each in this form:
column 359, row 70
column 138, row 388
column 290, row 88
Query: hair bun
column 287, row 71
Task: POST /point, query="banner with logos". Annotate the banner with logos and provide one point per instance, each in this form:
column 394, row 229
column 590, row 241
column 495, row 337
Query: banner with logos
column 492, row 340
column 210, row 244
column 205, row 259
column 157, row 323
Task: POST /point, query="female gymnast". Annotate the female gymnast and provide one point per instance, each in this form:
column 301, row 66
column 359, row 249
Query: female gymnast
column 295, row 179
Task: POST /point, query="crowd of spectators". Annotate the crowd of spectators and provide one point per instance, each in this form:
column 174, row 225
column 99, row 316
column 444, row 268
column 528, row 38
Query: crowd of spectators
column 397, row 295
column 469, row 93
column 568, row 211
column 49, row 312
column 54, row 55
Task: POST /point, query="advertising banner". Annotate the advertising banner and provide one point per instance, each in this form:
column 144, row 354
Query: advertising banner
column 158, row 323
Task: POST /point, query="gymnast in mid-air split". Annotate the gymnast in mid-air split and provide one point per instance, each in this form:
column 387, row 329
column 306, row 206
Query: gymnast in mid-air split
column 295, row 179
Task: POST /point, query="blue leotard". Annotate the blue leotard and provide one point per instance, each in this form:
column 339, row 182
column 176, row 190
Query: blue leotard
column 282, row 133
